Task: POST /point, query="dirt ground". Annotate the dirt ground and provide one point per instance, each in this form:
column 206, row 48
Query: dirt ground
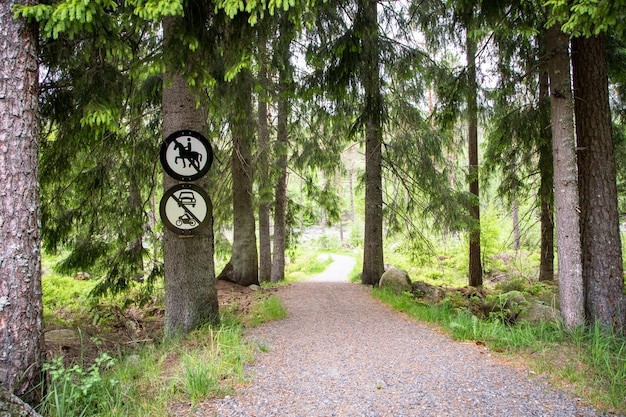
column 126, row 330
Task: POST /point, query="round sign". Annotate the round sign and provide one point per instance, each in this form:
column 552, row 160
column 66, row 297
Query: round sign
column 185, row 208
column 186, row 155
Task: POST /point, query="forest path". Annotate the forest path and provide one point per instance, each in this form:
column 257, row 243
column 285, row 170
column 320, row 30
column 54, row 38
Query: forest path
column 342, row 353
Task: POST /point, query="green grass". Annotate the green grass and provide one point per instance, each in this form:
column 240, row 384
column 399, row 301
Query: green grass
column 268, row 309
column 589, row 359
column 305, row 264
column 208, row 362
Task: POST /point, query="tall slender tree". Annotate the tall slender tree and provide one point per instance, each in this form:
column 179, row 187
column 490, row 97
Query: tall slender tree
column 264, row 177
column 565, row 180
column 475, row 262
column 21, row 311
column 281, row 152
column 373, row 264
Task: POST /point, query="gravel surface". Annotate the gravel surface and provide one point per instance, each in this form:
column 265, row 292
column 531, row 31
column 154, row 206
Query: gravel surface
column 342, row 353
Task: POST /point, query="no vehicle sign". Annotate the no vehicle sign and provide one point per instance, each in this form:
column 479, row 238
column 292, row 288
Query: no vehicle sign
column 186, row 155
column 184, row 208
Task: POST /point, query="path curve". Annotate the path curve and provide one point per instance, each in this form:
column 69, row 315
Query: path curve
column 341, row 353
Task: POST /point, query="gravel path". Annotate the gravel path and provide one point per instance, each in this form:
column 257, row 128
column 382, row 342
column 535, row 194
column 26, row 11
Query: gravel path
column 342, row 353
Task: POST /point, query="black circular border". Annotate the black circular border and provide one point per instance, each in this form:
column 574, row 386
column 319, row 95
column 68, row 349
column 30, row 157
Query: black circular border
column 168, row 194
column 182, row 133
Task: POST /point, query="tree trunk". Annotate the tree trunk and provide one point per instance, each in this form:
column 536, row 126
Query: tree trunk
column 21, row 340
column 546, row 172
column 265, row 244
column 190, row 292
column 475, row 265
column 565, row 180
column 373, row 265
column 280, row 199
column 517, row 236
column 243, row 267
column 12, row 406
column 599, row 216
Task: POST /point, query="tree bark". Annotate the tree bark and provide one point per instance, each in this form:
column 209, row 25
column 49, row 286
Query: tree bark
column 243, row 267
column 265, row 244
column 373, row 264
column 12, row 406
column 475, row 264
column 546, row 172
column 280, row 199
column 565, row 180
column 190, row 291
column 603, row 273
column 21, row 339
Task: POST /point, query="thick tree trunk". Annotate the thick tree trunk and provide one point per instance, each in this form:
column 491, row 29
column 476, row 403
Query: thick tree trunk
column 546, row 172
column 243, row 268
column 373, row 264
column 190, row 292
column 565, row 180
column 475, row 264
column 601, row 247
column 21, row 340
column 265, row 244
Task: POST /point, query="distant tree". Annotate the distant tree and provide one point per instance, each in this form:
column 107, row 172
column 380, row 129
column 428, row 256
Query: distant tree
column 21, row 311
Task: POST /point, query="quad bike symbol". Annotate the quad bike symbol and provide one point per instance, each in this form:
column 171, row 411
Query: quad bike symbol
column 185, row 219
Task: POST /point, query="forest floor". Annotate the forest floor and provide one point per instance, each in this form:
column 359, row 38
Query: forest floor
column 118, row 330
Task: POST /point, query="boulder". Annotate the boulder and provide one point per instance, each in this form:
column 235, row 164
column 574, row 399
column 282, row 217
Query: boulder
column 396, row 279
column 63, row 337
column 424, row 290
column 538, row 312
column 505, row 307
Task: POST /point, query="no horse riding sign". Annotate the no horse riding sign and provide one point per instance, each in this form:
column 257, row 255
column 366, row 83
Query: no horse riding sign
column 186, row 155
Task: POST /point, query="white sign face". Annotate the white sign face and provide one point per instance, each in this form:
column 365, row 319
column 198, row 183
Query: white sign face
column 186, row 155
column 184, row 208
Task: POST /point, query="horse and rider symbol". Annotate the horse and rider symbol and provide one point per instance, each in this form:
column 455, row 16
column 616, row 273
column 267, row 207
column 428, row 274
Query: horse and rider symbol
column 185, row 153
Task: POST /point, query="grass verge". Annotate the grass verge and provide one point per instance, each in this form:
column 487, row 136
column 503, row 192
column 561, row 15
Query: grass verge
column 207, row 363
column 587, row 361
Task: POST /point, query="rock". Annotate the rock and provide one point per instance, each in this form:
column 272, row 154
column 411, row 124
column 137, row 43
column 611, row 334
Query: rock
column 396, row 279
column 254, row 287
column 63, row 337
column 82, row 276
column 424, row 290
column 505, row 307
column 538, row 312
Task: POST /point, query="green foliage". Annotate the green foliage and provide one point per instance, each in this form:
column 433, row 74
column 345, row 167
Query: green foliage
column 66, row 293
column 587, row 17
column 76, row 392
